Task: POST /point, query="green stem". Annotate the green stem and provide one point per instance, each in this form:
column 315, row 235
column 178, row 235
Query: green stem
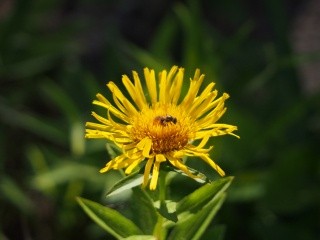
column 162, row 186
column 159, row 231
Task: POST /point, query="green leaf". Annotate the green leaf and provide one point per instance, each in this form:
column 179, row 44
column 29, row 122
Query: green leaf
column 145, row 58
column 199, row 198
column 112, row 149
column 61, row 100
column 202, row 178
column 145, row 214
column 195, row 226
column 196, row 211
column 29, row 67
column 141, row 237
column 109, row 219
column 217, row 232
column 32, row 123
column 164, row 36
column 167, row 209
column 129, row 182
column 192, row 30
column 11, row 192
column 61, row 174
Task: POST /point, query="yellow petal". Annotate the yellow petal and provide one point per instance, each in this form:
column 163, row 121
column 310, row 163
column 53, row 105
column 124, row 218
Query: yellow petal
column 193, row 90
column 138, row 87
column 155, row 174
column 163, row 87
column 215, row 166
column 98, row 126
column 120, row 100
column 175, row 89
column 201, row 104
column 178, row 164
column 133, row 165
column 147, row 171
column 151, row 84
column 160, row 158
column 217, row 130
column 114, row 162
column 112, row 109
column 135, row 91
column 145, row 145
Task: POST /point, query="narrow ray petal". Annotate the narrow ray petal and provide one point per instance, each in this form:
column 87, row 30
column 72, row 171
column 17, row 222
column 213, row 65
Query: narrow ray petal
column 175, row 89
column 151, row 84
column 163, row 87
column 147, row 171
column 155, row 174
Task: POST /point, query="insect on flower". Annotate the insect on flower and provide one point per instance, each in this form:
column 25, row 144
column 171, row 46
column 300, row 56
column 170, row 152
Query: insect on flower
column 165, row 120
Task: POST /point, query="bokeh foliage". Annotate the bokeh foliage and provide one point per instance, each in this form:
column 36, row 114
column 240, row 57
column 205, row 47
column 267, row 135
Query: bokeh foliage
column 56, row 55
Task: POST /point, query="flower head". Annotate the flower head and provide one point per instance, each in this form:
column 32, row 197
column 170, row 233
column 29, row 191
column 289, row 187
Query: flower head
column 160, row 124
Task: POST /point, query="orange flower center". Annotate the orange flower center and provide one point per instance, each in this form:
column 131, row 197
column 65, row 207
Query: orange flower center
column 167, row 127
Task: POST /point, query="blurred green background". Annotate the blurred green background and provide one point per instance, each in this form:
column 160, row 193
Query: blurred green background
column 55, row 55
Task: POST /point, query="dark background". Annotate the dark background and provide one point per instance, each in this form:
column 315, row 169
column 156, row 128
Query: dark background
column 56, row 55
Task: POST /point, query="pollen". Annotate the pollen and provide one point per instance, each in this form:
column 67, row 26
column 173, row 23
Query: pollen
column 168, row 127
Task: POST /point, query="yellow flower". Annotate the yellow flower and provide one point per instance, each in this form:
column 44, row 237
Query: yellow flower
column 160, row 124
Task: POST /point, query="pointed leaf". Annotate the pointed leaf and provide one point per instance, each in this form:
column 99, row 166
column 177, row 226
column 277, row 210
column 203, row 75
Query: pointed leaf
column 216, row 233
column 201, row 178
column 109, row 219
column 167, row 209
column 141, row 237
column 126, row 183
column 164, row 37
column 194, row 227
column 112, row 149
column 199, row 198
column 145, row 58
column 61, row 100
column 145, row 214
column 32, row 123
column 196, row 211
column 11, row 192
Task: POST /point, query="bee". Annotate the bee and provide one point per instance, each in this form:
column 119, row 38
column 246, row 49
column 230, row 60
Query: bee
column 165, row 120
